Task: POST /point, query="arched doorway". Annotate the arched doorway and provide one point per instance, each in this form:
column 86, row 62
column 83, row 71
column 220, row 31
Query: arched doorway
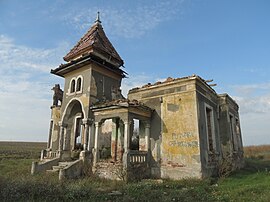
column 72, row 118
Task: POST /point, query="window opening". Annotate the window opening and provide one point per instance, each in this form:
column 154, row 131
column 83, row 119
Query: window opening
column 79, row 84
column 135, row 141
column 105, row 140
column 78, row 133
column 238, row 133
column 232, row 132
column 72, row 87
column 210, row 134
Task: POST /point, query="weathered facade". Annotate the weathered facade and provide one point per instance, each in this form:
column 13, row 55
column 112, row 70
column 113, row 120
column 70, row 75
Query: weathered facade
column 172, row 129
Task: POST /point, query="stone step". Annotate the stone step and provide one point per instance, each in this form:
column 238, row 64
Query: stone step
column 108, row 164
column 52, row 171
column 64, row 163
column 58, row 167
column 102, row 166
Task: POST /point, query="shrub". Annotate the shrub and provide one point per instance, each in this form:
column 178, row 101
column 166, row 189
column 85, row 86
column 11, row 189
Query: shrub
column 225, row 166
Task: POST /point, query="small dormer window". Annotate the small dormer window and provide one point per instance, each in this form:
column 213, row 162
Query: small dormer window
column 72, row 86
column 79, row 84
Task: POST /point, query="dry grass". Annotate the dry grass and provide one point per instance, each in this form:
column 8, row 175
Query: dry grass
column 16, row 184
column 257, row 152
column 16, row 157
column 21, row 150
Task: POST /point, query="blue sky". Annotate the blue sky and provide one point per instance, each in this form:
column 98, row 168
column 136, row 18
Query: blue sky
column 228, row 41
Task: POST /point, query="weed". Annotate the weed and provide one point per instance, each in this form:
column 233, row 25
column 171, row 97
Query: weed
column 16, row 184
column 225, row 166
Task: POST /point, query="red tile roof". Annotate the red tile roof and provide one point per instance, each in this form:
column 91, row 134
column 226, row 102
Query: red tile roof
column 95, row 41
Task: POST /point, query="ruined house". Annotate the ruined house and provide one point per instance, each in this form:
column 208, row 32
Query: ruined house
column 172, row 129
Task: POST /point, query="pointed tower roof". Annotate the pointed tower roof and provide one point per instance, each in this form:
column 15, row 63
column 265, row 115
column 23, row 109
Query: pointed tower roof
column 95, row 42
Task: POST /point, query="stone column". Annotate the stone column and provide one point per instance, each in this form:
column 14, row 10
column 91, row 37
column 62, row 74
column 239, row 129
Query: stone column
column 114, row 140
column 62, row 136
column 147, row 136
column 66, row 143
column 126, row 136
column 91, row 136
column 49, row 144
column 86, row 123
column 120, row 141
column 126, row 143
column 96, row 149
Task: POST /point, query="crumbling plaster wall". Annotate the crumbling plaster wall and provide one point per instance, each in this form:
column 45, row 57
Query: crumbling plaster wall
column 174, row 128
column 224, row 124
column 153, row 102
column 207, row 98
column 82, row 96
column 229, row 135
column 54, row 130
column 104, row 84
column 96, row 86
column 180, row 137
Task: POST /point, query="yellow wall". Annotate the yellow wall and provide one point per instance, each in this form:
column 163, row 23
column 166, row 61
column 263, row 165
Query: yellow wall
column 180, row 137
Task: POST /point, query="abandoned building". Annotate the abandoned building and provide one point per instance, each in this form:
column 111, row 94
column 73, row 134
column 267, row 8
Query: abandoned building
column 173, row 129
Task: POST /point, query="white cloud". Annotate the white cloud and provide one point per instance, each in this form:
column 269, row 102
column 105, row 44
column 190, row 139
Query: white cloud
column 25, row 95
column 252, row 89
column 133, row 81
column 258, row 104
column 255, row 128
column 128, row 23
column 254, row 103
column 16, row 57
column 137, row 80
column 253, row 98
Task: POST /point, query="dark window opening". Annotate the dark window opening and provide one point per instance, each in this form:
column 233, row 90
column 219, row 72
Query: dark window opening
column 232, row 132
column 72, row 87
column 79, row 84
column 78, row 134
column 135, row 141
column 209, row 129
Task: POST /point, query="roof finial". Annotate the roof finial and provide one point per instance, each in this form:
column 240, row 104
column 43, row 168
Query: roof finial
column 98, row 19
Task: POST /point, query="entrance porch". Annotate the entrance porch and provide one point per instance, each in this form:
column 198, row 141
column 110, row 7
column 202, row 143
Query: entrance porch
column 126, row 153
column 129, row 152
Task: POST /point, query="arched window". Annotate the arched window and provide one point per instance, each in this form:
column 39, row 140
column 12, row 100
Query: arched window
column 72, row 86
column 79, row 84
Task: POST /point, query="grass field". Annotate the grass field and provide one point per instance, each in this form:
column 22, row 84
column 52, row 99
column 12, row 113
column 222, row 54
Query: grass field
column 16, row 184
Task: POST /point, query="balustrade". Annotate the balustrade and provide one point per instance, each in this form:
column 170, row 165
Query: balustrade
column 137, row 157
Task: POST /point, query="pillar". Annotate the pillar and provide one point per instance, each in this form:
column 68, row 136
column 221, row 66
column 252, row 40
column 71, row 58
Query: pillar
column 127, row 136
column 114, row 140
column 120, row 140
column 147, row 136
column 49, row 144
column 126, row 143
column 96, row 149
column 91, row 136
column 62, row 136
column 66, row 138
column 86, row 123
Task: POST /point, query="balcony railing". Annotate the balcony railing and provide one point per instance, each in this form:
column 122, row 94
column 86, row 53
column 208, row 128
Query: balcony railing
column 48, row 154
column 137, row 157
